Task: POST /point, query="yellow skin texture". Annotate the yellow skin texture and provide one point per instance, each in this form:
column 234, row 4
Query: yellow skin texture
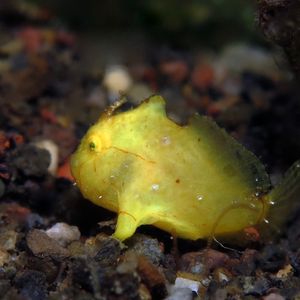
column 193, row 181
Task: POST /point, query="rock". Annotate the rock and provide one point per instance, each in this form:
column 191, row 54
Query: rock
column 30, row 160
column 105, row 250
column 4, row 257
column 109, row 252
column 106, row 282
column 203, row 262
column 152, row 277
column 120, row 286
column 8, row 239
column 53, row 149
column 129, row 263
column 255, row 286
column 247, row 263
column 271, row 258
column 42, row 245
column 176, row 293
column 32, row 285
column 77, row 249
column 222, row 275
column 117, row 79
column 81, row 274
column 273, row 296
column 193, row 285
column 241, row 57
column 147, row 247
column 63, row 233
column 285, row 273
column 45, row 265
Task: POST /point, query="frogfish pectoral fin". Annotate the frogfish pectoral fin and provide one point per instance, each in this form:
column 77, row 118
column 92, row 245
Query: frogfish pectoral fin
column 126, row 225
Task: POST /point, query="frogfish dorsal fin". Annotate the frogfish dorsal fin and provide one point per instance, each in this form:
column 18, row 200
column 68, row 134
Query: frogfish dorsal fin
column 226, row 150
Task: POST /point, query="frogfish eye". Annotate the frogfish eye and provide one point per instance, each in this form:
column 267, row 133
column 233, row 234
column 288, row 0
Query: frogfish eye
column 94, row 143
column 92, row 146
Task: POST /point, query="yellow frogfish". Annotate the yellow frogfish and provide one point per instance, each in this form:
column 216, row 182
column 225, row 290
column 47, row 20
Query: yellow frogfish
column 193, row 181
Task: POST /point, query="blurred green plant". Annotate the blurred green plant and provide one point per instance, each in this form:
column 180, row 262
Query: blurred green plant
column 173, row 21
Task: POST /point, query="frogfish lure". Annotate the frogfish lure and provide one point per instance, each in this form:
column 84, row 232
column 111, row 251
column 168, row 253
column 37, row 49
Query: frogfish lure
column 193, row 181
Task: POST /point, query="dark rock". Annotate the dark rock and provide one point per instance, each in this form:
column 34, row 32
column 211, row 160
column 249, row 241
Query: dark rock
column 81, row 274
column 46, row 265
column 147, row 247
column 272, row 258
column 109, row 251
column 4, row 287
column 170, row 267
column 32, row 285
column 107, row 282
column 119, row 286
column 247, row 263
column 30, row 160
column 255, row 286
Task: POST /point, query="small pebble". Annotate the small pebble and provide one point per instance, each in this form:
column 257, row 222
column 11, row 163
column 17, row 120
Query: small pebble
column 117, row 79
column 193, row 285
column 32, row 285
column 42, row 245
column 273, row 296
column 30, row 160
column 8, row 240
column 63, row 233
column 176, row 293
column 148, row 247
column 4, row 257
column 53, row 149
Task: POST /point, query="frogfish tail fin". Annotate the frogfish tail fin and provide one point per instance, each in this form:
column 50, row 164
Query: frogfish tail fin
column 284, row 199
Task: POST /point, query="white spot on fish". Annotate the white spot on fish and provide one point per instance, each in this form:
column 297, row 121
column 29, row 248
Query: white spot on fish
column 199, row 197
column 271, row 202
column 266, row 221
column 166, row 140
column 99, row 197
column 155, row 187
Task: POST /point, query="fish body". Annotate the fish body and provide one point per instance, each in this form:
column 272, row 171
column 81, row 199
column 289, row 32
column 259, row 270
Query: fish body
column 193, row 181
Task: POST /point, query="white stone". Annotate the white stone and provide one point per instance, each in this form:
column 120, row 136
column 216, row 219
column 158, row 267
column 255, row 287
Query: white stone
column 63, row 233
column 53, row 149
column 117, row 79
